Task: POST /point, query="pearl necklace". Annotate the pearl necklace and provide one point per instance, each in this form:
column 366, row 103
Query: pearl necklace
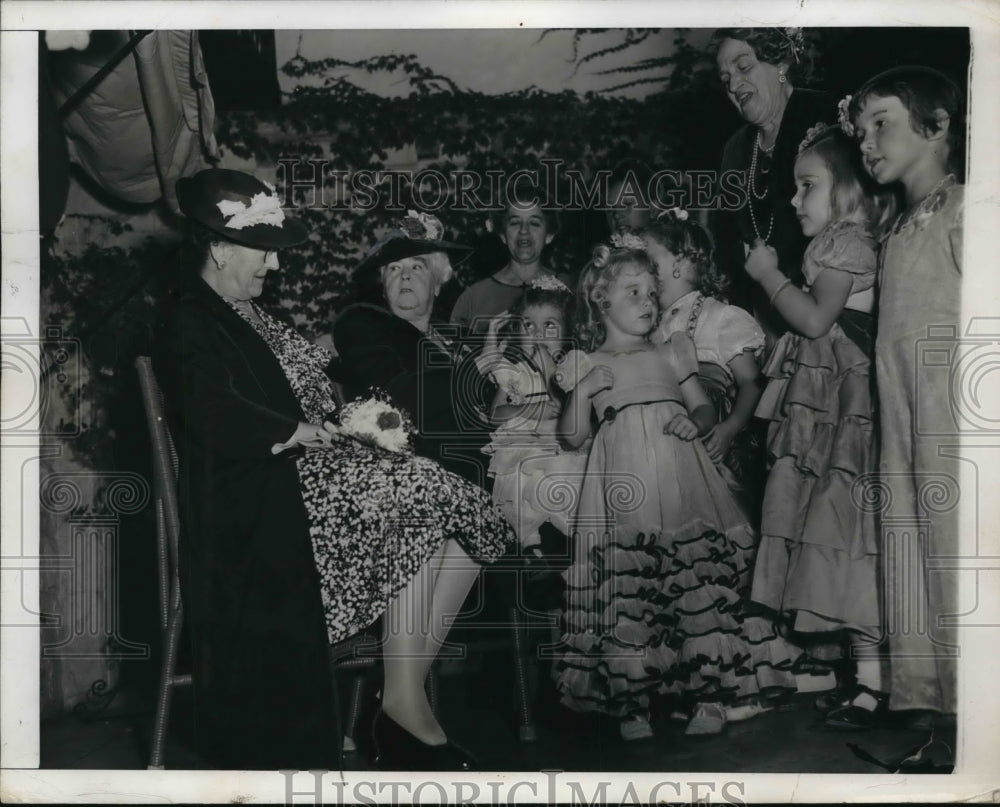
column 753, row 191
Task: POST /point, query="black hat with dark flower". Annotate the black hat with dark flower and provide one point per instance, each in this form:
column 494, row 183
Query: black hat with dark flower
column 239, row 208
column 417, row 234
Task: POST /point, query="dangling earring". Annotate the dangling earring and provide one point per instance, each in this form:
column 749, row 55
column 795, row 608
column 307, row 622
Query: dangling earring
column 677, row 270
column 781, row 77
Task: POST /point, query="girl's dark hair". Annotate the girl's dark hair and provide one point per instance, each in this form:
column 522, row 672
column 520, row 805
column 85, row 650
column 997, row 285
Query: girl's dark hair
column 688, row 239
column 922, row 90
column 773, row 46
column 562, row 300
column 526, row 194
column 855, row 196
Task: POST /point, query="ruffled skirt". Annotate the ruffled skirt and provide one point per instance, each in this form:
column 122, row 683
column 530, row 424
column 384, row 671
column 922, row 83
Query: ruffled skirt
column 819, row 550
column 662, row 556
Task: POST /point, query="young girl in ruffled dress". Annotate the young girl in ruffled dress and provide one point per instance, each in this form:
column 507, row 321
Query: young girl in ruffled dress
column 728, row 343
column 661, row 549
column 535, row 478
column 819, row 551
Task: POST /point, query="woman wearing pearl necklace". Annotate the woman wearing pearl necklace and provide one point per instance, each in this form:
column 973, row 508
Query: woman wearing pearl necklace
column 757, row 68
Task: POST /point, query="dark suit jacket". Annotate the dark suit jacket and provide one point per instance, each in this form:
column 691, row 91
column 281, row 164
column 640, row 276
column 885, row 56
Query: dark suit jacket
column 445, row 397
column 733, row 228
column 251, row 590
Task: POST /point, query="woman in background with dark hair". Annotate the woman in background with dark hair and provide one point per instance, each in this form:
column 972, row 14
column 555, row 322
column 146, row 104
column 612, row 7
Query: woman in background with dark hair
column 758, row 68
column 527, row 225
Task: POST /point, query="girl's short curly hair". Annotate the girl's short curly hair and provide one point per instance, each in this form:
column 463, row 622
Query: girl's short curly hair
column 605, row 266
column 773, row 46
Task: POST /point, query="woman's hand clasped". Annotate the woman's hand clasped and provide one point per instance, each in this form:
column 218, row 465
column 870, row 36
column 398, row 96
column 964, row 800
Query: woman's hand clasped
column 311, row 435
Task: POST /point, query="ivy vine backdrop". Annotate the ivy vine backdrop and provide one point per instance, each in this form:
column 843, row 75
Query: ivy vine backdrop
column 109, row 297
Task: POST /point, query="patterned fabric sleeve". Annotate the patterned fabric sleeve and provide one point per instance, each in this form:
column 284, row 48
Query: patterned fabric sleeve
column 737, row 333
column 571, row 370
column 845, row 247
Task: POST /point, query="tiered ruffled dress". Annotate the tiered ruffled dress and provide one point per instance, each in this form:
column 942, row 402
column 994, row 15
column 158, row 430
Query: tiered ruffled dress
column 819, row 551
column 661, row 557
column 535, row 479
column 375, row 516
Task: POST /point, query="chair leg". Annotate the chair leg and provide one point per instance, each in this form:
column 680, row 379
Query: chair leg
column 432, row 691
column 162, row 717
column 526, row 727
column 354, row 709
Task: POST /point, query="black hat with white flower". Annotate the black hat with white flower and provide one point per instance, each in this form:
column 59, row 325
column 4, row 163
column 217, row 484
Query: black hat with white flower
column 239, row 208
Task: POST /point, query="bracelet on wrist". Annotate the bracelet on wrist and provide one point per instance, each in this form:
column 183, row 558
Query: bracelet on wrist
column 781, row 288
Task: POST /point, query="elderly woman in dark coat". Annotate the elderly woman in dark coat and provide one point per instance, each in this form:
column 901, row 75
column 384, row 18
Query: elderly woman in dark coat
column 426, row 366
column 758, row 68
column 295, row 534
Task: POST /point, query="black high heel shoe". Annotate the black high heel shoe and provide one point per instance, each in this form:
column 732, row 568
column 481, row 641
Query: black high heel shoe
column 398, row 750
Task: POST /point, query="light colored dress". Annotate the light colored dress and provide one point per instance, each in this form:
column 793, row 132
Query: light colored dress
column 919, row 307
column 661, row 556
column 535, row 479
column 819, row 550
column 720, row 333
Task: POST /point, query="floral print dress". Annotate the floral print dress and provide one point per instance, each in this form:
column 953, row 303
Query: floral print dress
column 375, row 516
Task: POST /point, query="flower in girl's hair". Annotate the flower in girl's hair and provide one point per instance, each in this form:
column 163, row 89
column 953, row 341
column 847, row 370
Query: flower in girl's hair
column 811, row 134
column 421, row 225
column 844, row 115
column 675, row 213
column 377, row 423
column 626, row 240
column 549, row 283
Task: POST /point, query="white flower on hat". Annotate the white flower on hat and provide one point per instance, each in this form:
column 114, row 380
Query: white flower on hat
column 263, row 209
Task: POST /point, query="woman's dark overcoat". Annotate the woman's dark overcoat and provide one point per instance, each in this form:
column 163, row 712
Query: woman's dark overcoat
column 264, row 694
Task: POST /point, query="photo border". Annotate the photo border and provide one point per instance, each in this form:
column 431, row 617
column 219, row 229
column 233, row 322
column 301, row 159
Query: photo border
column 978, row 738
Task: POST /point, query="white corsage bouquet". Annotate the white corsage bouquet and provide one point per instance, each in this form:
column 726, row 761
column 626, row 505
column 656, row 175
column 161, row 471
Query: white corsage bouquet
column 376, row 422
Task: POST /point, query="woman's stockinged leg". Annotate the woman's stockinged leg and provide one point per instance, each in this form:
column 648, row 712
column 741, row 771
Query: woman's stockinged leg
column 453, row 576
column 416, row 625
